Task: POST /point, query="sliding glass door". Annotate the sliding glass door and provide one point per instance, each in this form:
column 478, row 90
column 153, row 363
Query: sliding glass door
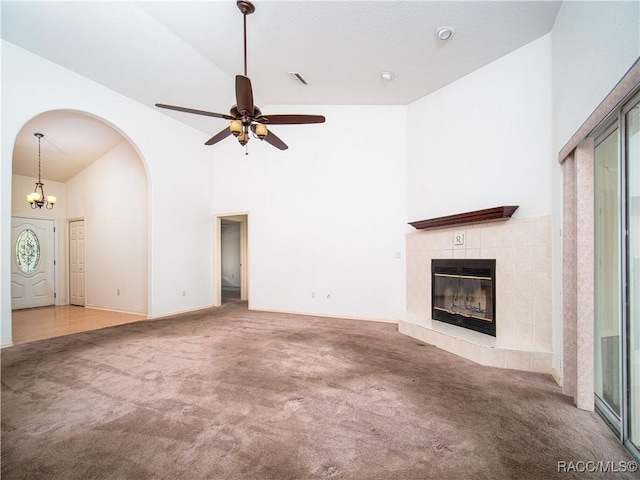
column 617, row 274
column 632, row 161
column 607, row 274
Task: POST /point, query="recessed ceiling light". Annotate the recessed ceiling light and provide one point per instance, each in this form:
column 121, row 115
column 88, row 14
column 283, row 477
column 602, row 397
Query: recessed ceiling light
column 444, row 33
column 387, row 76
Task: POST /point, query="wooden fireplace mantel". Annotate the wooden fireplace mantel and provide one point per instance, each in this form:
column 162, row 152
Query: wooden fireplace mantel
column 477, row 216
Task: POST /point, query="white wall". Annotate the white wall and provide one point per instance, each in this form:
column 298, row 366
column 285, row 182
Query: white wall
column 111, row 196
column 326, row 216
column 485, row 140
column 181, row 232
column 594, row 45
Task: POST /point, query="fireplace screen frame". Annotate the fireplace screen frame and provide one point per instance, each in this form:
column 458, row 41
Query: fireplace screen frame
column 477, row 269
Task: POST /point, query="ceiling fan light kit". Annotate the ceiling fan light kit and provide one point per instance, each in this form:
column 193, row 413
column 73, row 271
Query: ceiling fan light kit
column 236, row 127
column 261, row 131
column 244, row 116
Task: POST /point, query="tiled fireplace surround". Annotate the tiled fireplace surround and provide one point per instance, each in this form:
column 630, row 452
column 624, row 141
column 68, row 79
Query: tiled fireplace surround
column 522, row 250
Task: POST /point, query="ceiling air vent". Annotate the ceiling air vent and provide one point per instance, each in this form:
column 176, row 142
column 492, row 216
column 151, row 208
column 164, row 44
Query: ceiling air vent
column 298, row 78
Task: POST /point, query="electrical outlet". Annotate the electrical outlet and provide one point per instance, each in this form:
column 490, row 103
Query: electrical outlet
column 184, row 293
column 313, row 294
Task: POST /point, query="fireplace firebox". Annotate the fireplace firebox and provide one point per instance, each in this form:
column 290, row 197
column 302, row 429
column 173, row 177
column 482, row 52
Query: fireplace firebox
column 463, row 293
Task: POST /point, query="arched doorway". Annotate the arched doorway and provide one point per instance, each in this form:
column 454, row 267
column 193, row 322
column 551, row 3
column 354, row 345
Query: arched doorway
column 101, row 183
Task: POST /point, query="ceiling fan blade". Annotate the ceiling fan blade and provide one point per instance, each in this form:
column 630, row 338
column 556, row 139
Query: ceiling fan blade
column 219, row 136
column 197, row 112
column 244, row 95
column 290, row 119
column 274, row 140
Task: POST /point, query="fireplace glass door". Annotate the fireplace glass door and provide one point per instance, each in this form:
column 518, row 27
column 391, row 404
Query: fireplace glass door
column 463, row 293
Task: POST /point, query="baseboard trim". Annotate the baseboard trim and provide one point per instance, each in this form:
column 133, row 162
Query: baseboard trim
column 104, row 309
column 181, row 312
column 5, row 345
column 324, row 315
column 269, row 310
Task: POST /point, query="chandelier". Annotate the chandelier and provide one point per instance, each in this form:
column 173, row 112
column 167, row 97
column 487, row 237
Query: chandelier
column 37, row 198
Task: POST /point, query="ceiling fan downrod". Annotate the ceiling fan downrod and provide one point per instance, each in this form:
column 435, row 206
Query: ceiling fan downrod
column 247, row 8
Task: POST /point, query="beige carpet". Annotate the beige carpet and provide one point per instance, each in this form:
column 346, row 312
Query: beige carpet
column 232, row 394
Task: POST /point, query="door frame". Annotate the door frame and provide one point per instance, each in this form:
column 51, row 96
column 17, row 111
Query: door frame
column 243, row 219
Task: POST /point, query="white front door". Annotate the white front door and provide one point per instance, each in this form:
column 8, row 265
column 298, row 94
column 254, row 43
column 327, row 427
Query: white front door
column 32, row 266
column 76, row 262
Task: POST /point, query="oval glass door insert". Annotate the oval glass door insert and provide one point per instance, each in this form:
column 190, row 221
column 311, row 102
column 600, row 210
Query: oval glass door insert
column 27, row 251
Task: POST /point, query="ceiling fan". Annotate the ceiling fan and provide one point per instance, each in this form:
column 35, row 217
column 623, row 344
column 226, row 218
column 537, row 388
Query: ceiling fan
column 244, row 116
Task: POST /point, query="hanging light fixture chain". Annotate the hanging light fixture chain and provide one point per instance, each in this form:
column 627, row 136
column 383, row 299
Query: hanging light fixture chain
column 39, row 135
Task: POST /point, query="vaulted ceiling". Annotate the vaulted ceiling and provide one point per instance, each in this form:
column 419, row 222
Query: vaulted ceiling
column 187, row 53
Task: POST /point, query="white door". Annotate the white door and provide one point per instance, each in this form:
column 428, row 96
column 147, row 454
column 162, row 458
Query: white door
column 76, row 262
column 33, row 263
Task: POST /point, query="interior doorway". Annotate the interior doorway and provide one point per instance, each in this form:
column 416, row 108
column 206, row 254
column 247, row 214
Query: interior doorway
column 231, row 258
column 83, row 155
